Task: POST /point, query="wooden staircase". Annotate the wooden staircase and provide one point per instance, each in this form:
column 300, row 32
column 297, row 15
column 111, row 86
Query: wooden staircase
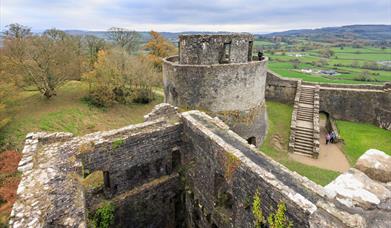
column 304, row 138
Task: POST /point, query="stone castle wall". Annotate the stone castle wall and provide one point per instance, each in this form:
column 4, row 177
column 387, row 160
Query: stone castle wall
column 217, row 74
column 218, row 87
column 207, row 177
column 370, row 106
column 209, row 49
column 280, row 89
column 360, row 103
column 130, row 159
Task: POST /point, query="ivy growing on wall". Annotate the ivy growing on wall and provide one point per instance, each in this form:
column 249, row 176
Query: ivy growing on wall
column 277, row 219
column 257, row 211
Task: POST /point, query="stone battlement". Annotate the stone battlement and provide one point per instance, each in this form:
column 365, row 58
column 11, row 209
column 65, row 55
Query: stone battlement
column 172, row 170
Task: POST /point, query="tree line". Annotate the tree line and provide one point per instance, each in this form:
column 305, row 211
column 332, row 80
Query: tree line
column 117, row 69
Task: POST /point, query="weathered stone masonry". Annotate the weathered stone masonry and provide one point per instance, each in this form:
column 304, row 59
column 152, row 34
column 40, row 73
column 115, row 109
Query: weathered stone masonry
column 180, row 170
column 360, row 103
column 216, row 73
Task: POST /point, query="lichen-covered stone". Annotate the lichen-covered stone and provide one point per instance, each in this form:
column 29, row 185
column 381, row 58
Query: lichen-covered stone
column 189, row 171
column 233, row 90
column 376, row 164
column 355, row 189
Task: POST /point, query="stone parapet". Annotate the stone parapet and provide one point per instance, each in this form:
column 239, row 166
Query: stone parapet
column 316, row 122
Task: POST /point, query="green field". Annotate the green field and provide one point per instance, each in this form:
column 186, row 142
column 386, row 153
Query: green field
column 66, row 112
column 359, row 137
column 347, row 62
column 276, row 144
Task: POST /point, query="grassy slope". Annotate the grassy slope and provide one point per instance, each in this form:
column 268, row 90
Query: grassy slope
column 279, row 129
column 66, row 112
column 360, row 137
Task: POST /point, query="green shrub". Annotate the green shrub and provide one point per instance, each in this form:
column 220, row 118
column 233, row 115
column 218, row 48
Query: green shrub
column 119, row 77
column 143, row 95
column 117, row 143
column 257, row 211
column 104, row 216
column 101, row 96
column 278, row 219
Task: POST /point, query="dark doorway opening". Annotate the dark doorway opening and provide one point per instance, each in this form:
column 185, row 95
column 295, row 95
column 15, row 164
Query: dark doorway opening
column 252, row 140
column 106, row 179
column 176, row 160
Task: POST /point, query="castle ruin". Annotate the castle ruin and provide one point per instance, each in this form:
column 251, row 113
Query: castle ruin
column 217, row 73
column 191, row 169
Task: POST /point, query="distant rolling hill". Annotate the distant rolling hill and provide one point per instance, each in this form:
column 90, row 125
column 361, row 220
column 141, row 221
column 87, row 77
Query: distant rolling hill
column 364, row 32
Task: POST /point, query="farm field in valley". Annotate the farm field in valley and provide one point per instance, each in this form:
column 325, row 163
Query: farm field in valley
column 347, row 65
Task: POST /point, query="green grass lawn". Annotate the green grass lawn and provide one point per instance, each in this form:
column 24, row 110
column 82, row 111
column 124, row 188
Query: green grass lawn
column 276, row 144
column 360, row 137
column 281, row 64
column 66, row 112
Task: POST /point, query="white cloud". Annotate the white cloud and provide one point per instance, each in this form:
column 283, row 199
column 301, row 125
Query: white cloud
column 191, row 15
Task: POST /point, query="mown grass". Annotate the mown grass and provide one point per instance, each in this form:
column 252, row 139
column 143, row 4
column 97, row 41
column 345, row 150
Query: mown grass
column 342, row 62
column 359, row 137
column 66, row 112
column 276, row 144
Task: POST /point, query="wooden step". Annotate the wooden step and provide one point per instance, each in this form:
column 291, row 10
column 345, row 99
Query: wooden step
column 304, row 128
column 305, row 117
column 304, row 145
column 304, row 113
column 304, row 140
column 304, row 148
column 303, row 153
column 304, row 131
column 305, row 134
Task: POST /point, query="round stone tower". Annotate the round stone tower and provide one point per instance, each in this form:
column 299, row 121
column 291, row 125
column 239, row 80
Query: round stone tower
column 217, row 74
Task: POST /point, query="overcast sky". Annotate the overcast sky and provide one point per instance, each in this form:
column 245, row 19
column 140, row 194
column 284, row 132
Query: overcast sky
column 258, row 16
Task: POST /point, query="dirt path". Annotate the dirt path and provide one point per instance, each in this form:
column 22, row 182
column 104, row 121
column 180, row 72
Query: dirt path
column 330, row 156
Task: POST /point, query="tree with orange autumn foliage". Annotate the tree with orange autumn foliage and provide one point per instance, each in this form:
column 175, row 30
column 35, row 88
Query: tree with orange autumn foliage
column 158, row 47
column 119, row 77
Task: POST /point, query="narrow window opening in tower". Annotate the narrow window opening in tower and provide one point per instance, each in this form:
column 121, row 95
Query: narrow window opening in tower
column 250, row 51
column 179, row 52
column 176, row 160
column 227, row 53
column 106, row 179
column 252, row 140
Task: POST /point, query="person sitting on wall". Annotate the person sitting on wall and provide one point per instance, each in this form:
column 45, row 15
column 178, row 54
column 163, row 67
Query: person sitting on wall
column 260, row 56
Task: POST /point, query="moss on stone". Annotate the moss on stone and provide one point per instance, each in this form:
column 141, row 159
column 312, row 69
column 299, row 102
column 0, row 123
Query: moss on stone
column 244, row 117
column 232, row 163
column 93, row 181
column 87, row 147
column 117, row 143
